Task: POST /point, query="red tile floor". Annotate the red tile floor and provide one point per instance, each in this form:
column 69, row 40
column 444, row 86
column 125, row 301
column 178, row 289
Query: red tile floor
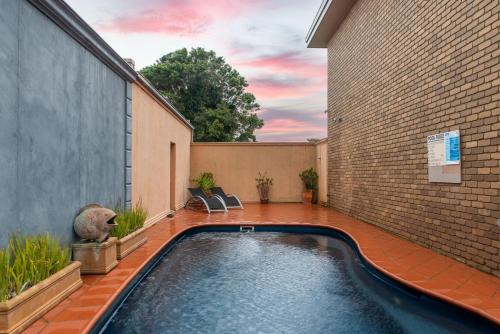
column 417, row 266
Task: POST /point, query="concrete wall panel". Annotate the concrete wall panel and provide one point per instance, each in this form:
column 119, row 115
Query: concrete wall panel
column 62, row 126
column 9, row 12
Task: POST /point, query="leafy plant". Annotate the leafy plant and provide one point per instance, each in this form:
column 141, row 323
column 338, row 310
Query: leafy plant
column 129, row 220
column 263, row 185
column 205, row 181
column 28, row 260
column 310, row 179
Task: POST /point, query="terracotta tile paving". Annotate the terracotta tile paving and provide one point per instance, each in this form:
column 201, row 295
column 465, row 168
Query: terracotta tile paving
column 403, row 260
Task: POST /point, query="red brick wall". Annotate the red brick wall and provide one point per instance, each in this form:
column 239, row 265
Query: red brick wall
column 398, row 72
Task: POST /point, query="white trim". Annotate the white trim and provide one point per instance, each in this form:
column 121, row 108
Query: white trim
column 317, row 19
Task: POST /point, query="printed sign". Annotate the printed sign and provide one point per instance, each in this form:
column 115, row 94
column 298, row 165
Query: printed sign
column 443, row 149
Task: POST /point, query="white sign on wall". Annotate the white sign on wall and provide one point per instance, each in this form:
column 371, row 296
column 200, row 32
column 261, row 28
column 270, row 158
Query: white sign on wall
column 443, row 156
column 444, row 148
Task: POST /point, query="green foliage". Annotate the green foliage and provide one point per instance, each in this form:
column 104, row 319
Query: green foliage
column 310, row 179
column 128, row 220
column 208, row 92
column 28, row 260
column 205, row 181
column 263, row 181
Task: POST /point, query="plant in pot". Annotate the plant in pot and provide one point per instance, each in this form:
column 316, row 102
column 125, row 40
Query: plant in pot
column 309, row 178
column 130, row 230
column 36, row 274
column 206, row 182
column 264, row 183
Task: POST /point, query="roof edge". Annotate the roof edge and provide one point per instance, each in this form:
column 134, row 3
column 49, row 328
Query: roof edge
column 69, row 21
column 317, row 20
column 328, row 19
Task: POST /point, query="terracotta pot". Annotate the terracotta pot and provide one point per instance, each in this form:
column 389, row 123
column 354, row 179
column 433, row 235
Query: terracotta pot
column 264, row 201
column 18, row 313
column 96, row 258
column 307, row 196
column 131, row 242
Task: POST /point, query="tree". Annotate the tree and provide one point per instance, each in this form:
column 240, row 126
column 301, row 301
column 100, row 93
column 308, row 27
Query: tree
column 208, row 92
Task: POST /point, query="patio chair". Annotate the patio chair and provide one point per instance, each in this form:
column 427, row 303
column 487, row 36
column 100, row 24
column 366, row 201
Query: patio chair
column 232, row 201
column 212, row 204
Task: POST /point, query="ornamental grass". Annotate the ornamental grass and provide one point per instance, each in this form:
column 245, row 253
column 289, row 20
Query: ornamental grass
column 129, row 220
column 28, row 260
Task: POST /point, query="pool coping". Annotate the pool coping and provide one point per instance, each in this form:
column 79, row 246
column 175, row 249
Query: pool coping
column 187, row 226
column 358, row 246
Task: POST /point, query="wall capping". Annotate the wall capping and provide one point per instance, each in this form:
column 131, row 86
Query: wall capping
column 253, row 144
column 69, row 21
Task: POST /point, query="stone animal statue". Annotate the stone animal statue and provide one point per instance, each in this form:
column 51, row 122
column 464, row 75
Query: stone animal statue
column 94, row 222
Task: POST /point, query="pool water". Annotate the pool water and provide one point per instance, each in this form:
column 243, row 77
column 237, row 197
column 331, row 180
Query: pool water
column 271, row 282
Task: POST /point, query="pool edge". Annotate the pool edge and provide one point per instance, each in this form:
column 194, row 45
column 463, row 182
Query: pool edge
column 359, row 250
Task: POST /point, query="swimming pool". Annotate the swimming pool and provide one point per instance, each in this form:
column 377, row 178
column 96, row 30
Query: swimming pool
column 275, row 282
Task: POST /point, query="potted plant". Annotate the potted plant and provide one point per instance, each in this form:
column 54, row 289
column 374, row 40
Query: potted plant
column 130, row 231
column 206, row 182
column 309, row 178
column 264, row 183
column 96, row 250
column 36, row 274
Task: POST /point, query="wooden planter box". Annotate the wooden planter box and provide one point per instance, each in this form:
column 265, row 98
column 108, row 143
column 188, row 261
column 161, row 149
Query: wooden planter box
column 96, row 258
column 131, row 242
column 18, row 313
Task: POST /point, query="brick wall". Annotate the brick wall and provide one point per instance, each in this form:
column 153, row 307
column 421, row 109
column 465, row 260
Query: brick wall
column 398, row 72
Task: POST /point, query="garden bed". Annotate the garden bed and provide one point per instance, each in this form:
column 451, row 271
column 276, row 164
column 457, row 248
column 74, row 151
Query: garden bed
column 18, row 313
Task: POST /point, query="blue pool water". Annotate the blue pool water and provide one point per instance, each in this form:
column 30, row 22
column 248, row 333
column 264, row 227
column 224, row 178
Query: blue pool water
column 272, row 282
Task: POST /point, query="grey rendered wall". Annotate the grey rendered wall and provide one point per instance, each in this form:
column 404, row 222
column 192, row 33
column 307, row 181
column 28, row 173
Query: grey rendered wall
column 62, row 126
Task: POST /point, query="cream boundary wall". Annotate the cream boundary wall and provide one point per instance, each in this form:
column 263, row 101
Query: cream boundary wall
column 154, row 128
column 322, row 170
column 236, row 165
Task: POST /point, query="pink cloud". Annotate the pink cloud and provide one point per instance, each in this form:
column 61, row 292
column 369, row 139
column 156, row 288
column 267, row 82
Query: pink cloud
column 289, row 62
column 290, row 126
column 178, row 17
column 275, row 89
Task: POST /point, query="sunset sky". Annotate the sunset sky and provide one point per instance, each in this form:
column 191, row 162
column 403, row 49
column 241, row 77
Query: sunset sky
column 263, row 39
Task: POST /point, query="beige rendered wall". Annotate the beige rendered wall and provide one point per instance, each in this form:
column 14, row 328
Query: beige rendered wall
column 235, row 166
column 154, row 129
column 322, row 170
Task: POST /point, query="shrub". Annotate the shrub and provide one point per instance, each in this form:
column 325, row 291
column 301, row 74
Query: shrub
column 28, row 260
column 205, row 181
column 128, row 220
column 310, row 179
